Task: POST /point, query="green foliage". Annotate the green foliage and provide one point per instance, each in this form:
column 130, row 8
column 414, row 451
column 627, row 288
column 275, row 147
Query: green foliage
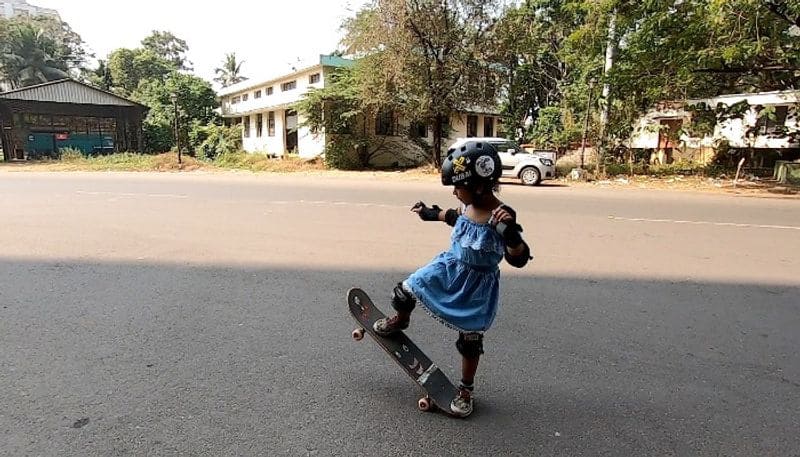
column 670, row 50
column 99, row 77
column 334, row 108
column 130, row 67
column 341, row 152
column 339, row 110
column 230, row 72
column 424, row 60
column 261, row 162
column 38, row 49
column 525, row 48
column 168, row 47
column 212, row 140
column 70, row 154
column 195, row 100
column 555, row 129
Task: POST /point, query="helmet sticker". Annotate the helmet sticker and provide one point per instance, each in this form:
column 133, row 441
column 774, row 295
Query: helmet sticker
column 484, row 166
column 459, row 165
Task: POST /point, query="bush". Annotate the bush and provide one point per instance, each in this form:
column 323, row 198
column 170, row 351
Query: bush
column 71, row 154
column 210, row 141
column 341, row 153
column 564, row 165
column 260, row 162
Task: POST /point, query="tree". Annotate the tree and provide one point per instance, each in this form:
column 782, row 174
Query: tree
column 129, row 67
column 167, row 46
column 30, row 57
column 38, row 49
column 338, row 110
column 526, row 44
column 668, row 50
column 424, row 59
column 196, row 102
column 100, row 76
column 230, row 72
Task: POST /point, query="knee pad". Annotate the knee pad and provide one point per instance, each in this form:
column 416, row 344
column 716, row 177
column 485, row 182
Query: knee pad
column 402, row 301
column 470, row 345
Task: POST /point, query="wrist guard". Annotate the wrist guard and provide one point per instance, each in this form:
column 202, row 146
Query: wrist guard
column 428, row 214
column 450, row 217
column 510, row 232
column 520, row 260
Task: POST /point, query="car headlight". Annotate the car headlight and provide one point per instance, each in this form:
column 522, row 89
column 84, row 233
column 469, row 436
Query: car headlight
column 547, row 162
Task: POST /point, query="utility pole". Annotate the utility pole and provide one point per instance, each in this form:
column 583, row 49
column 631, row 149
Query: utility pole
column 611, row 53
column 174, row 97
column 586, row 122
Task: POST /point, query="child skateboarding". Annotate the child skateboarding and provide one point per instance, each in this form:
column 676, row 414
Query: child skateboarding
column 460, row 287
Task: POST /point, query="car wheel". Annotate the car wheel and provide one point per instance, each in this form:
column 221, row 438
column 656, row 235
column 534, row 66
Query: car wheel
column 530, row 176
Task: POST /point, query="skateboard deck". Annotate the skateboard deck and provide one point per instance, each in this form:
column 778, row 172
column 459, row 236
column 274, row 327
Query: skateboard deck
column 439, row 390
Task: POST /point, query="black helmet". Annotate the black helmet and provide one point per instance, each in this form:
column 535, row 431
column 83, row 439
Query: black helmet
column 471, row 163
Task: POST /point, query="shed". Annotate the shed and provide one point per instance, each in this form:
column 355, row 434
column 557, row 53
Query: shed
column 38, row 121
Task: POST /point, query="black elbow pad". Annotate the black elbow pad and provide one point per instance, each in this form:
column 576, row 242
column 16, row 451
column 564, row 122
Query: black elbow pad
column 520, row 260
column 450, row 216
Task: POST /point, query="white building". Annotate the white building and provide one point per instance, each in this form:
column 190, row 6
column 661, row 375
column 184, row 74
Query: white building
column 271, row 126
column 665, row 130
column 12, row 8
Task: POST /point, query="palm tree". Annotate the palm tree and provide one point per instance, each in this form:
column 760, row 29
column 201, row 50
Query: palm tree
column 30, row 57
column 229, row 73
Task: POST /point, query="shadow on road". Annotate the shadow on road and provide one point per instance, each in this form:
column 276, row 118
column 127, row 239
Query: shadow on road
column 229, row 360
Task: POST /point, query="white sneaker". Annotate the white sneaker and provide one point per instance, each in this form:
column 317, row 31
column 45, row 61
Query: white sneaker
column 462, row 405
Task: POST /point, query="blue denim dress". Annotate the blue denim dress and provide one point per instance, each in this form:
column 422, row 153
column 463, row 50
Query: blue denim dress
column 461, row 287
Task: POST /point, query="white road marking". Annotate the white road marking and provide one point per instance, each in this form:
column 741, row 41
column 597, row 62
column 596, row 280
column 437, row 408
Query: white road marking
column 130, row 194
column 718, row 224
column 334, row 203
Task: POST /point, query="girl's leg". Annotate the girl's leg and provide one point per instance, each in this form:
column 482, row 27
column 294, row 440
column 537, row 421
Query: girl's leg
column 403, row 303
column 469, row 366
column 470, row 345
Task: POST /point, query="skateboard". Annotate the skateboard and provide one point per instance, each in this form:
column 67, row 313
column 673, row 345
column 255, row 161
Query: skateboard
column 439, row 391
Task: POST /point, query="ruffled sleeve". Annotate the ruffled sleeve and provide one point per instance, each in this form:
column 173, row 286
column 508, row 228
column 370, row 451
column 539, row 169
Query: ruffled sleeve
column 478, row 237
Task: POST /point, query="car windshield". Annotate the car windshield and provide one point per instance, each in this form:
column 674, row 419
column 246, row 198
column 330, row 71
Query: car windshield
column 504, row 146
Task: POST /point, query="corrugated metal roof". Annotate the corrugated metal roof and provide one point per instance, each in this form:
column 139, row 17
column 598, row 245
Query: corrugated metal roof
column 67, row 91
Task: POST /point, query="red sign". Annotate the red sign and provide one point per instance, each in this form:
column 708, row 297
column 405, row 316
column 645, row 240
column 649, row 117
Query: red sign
column 62, row 136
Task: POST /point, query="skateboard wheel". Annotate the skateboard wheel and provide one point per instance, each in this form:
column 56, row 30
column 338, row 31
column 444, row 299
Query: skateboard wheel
column 358, row 334
column 424, row 404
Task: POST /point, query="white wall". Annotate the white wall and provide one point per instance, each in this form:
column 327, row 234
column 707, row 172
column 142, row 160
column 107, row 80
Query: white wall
column 646, row 134
column 272, row 145
column 279, row 98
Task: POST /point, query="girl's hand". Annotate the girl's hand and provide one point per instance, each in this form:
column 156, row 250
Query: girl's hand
column 502, row 215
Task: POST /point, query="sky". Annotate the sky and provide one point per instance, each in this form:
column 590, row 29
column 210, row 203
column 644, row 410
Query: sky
column 270, row 36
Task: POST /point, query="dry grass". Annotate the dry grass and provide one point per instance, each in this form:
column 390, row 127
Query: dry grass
column 753, row 187
column 113, row 162
column 259, row 162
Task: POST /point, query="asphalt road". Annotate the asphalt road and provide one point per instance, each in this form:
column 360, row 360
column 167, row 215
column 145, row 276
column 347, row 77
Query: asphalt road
column 204, row 314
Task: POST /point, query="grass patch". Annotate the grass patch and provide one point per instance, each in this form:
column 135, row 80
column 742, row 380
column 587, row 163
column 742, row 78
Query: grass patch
column 114, row 162
column 75, row 161
column 260, row 162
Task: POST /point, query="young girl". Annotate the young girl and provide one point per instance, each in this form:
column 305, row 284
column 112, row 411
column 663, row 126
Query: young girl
column 460, row 287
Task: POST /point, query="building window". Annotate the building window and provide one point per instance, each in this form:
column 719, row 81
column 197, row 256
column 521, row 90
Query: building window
column 245, row 97
column 269, row 90
column 771, row 123
column 488, row 126
column 384, row 124
column 259, row 125
column 246, row 122
column 236, row 100
column 257, row 94
column 472, row 125
column 289, row 86
column 271, row 123
column 313, row 79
